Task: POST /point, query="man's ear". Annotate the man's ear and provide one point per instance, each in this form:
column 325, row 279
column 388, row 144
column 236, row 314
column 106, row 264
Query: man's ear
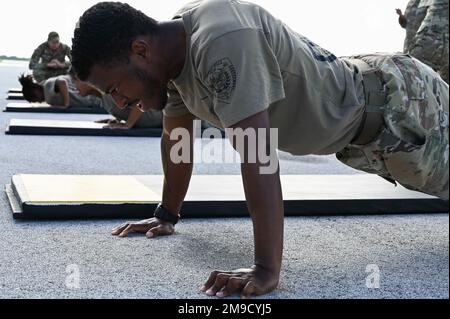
column 141, row 48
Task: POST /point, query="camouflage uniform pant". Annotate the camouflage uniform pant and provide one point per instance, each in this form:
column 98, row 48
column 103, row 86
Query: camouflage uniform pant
column 431, row 43
column 412, row 145
column 415, row 16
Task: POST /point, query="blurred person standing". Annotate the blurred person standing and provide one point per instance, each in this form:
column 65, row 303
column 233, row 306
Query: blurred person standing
column 427, row 32
column 49, row 59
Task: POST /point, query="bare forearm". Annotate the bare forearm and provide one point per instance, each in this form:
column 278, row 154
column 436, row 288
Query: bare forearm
column 262, row 187
column 134, row 116
column 265, row 201
column 64, row 91
column 176, row 181
column 263, row 192
column 176, row 175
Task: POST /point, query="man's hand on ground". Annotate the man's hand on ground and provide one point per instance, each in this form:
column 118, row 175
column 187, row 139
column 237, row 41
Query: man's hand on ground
column 255, row 281
column 119, row 125
column 107, row 121
column 150, row 227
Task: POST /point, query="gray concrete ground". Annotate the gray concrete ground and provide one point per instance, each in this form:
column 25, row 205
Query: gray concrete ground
column 324, row 257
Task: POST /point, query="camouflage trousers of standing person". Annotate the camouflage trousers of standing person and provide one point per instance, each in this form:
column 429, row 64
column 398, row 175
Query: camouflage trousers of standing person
column 431, row 43
column 411, row 146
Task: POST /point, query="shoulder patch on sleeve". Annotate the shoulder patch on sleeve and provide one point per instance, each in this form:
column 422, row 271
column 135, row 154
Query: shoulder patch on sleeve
column 221, row 79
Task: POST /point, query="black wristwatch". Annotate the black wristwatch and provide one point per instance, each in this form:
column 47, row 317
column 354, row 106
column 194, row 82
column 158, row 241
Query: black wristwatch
column 164, row 215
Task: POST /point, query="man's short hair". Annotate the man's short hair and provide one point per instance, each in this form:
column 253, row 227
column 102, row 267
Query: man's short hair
column 104, row 35
column 53, row 37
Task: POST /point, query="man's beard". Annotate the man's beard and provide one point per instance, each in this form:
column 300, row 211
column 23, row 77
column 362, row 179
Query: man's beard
column 152, row 85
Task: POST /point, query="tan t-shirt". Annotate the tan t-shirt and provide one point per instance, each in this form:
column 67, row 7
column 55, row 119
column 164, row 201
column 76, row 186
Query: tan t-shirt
column 241, row 61
column 75, row 99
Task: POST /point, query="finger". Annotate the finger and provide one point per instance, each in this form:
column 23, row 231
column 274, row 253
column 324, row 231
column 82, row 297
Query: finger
column 121, row 226
column 248, row 290
column 116, row 231
column 119, row 229
column 221, row 282
column 134, row 228
column 234, row 285
column 125, row 232
column 161, row 230
column 210, row 281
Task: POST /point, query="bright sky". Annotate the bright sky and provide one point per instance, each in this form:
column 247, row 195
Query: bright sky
column 344, row 27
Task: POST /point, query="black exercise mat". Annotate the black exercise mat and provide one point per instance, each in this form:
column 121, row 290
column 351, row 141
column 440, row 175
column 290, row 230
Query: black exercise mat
column 74, row 128
column 45, row 108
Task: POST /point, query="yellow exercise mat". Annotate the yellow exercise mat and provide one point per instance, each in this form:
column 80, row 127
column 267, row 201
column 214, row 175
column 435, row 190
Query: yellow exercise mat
column 138, row 189
column 302, row 187
column 86, row 196
column 86, row 189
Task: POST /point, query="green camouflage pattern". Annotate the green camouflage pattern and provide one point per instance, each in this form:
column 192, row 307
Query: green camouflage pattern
column 412, row 146
column 414, row 16
column 44, row 55
column 427, row 3
column 431, row 42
